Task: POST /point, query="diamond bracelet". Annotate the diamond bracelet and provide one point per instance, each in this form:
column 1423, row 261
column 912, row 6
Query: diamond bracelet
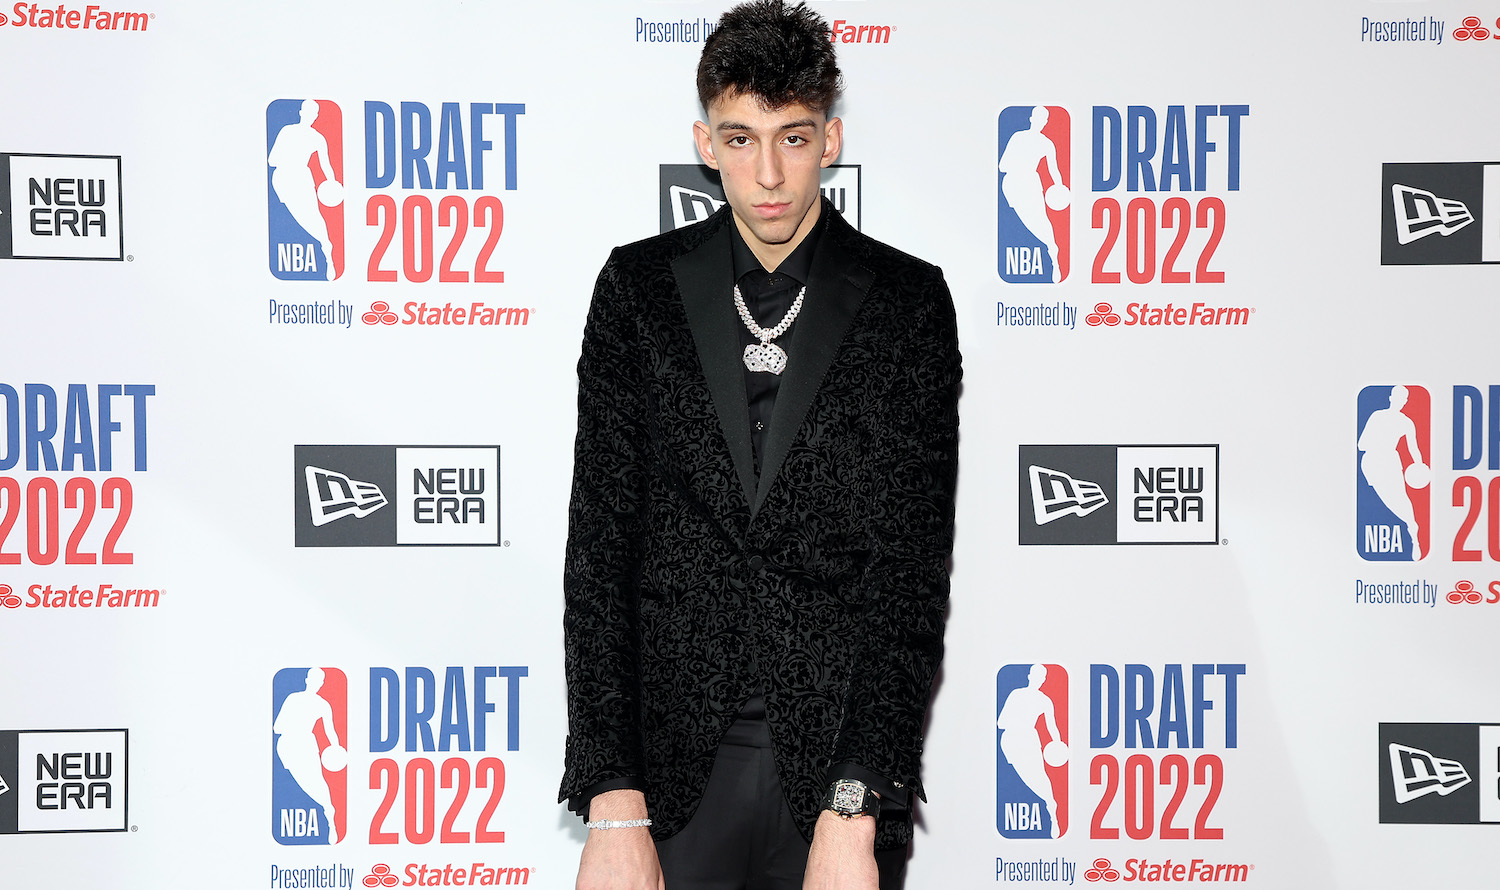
column 619, row 823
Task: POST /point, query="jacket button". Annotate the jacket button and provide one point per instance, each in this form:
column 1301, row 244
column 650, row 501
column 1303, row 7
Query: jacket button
column 757, row 563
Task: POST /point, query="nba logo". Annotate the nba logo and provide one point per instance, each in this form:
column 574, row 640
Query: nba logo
column 1031, row 769
column 309, row 782
column 305, row 189
column 1393, row 510
column 1035, row 176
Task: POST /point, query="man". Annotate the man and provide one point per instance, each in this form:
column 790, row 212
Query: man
column 762, row 512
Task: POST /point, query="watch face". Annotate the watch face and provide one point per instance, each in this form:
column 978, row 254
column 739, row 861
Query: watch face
column 848, row 797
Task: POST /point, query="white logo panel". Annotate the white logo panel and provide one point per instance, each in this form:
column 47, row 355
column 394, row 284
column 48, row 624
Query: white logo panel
column 65, row 207
column 448, row 495
column 71, row 781
column 1489, row 774
column 1168, row 494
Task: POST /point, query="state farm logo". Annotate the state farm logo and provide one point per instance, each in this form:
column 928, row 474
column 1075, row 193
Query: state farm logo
column 1466, row 593
column 423, row 874
column 8, row 598
column 1168, row 872
column 477, row 314
column 380, row 313
column 1170, row 315
column 90, row 18
column 1103, row 314
column 1473, row 29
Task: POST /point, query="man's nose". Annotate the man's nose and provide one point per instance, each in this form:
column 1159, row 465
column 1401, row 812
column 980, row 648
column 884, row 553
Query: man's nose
column 768, row 169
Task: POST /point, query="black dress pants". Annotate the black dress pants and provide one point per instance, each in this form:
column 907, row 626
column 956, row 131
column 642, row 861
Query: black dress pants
column 742, row 836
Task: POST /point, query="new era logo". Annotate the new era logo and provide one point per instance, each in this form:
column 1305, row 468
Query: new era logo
column 1439, row 773
column 55, row 780
column 438, row 495
column 1118, row 494
column 691, row 206
column 1416, row 773
column 1420, row 213
column 1055, row 494
column 332, row 495
column 1460, row 201
column 60, row 207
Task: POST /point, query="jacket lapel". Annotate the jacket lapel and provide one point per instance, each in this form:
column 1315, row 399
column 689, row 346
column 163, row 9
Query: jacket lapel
column 835, row 288
column 705, row 278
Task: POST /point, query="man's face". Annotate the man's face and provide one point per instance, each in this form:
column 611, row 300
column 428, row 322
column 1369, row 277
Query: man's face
column 769, row 161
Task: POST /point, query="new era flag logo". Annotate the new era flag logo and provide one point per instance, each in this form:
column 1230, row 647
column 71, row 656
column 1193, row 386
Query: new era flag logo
column 397, row 495
column 332, row 495
column 1420, row 213
column 1417, row 773
column 1459, row 201
column 1457, row 785
column 1055, row 494
column 691, row 206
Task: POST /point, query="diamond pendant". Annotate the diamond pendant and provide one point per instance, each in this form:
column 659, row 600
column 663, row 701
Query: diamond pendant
column 765, row 357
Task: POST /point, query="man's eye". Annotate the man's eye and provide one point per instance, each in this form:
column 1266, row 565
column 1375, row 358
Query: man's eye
column 794, row 139
column 739, row 140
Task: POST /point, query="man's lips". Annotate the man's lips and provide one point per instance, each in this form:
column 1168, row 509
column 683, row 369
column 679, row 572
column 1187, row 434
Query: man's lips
column 771, row 211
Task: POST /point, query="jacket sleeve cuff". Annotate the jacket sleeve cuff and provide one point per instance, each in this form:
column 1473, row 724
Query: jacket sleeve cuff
column 892, row 796
column 579, row 803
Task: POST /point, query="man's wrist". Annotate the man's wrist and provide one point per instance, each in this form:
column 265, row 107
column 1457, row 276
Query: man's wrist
column 858, row 832
column 620, row 805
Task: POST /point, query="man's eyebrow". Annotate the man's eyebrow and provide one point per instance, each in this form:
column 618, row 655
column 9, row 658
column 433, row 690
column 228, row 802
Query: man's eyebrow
column 725, row 126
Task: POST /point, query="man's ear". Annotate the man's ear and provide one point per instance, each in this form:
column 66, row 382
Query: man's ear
column 833, row 141
column 705, row 144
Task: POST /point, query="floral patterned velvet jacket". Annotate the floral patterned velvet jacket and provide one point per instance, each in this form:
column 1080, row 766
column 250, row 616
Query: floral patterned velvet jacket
column 690, row 583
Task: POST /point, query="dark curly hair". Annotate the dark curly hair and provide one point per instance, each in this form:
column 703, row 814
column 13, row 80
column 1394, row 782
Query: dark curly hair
column 777, row 52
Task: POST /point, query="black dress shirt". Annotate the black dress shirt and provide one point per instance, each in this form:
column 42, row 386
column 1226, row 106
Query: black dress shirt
column 769, row 296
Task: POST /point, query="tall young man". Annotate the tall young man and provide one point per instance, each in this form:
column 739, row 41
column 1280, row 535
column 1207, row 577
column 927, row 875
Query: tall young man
column 762, row 512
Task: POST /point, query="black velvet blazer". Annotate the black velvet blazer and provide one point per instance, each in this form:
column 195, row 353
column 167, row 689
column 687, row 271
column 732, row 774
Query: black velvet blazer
column 689, row 583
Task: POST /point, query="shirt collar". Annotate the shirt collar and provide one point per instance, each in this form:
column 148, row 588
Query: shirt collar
column 797, row 265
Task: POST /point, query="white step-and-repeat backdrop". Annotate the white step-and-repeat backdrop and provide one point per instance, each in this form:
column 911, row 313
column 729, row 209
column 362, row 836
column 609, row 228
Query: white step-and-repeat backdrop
column 290, row 300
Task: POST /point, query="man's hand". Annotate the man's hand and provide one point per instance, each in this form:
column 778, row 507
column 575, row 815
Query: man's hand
column 619, row 858
column 842, row 855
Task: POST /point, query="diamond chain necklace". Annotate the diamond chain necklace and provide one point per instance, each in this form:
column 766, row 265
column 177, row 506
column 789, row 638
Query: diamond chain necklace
column 765, row 355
